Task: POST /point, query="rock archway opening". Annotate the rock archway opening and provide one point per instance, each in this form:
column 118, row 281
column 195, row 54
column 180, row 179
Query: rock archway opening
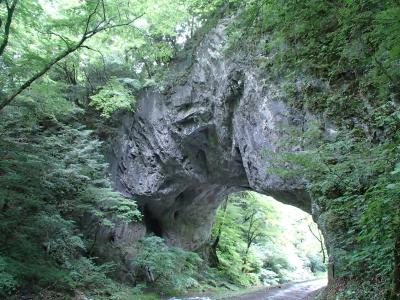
column 254, row 237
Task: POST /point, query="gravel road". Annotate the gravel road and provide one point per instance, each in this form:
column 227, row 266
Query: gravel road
column 294, row 291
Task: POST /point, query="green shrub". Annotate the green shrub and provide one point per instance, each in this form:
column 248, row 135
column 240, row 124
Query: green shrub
column 7, row 281
column 166, row 268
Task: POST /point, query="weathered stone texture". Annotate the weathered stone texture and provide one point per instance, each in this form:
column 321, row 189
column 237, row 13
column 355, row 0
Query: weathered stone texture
column 210, row 134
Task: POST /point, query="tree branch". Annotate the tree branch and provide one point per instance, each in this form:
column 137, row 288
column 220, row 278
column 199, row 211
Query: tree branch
column 101, row 26
column 102, row 58
column 64, row 39
column 44, row 70
column 90, row 18
column 319, row 239
column 7, row 26
column 312, row 232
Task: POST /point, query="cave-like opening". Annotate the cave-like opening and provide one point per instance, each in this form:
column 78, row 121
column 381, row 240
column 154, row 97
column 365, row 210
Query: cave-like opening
column 152, row 224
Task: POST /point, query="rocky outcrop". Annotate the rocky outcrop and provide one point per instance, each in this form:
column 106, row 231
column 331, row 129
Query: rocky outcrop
column 209, row 134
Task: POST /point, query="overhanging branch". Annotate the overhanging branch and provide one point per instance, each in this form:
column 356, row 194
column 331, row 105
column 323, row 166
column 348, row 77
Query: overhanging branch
column 101, row 26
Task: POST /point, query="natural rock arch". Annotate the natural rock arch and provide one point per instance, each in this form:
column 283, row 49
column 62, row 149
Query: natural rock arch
column 185, row 148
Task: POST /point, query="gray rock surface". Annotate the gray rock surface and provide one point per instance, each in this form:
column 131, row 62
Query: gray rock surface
column 209, row 134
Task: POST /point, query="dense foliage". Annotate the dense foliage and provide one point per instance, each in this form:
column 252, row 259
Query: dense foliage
column 63, row 64
column 340, row 61
column 80, row 37
column 52, row 173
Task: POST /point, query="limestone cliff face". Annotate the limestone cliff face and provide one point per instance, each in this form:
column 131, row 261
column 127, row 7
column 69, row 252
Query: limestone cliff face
column 183, row 150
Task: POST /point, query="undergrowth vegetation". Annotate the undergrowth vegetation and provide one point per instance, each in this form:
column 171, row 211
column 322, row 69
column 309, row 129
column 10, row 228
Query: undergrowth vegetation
column 52, row 174
column 168, row 269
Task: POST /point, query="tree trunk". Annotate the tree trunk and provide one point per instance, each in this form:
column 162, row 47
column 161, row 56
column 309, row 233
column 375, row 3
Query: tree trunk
column 246, row 254
column 396, row 270
column 321, row 242
column 213, row 259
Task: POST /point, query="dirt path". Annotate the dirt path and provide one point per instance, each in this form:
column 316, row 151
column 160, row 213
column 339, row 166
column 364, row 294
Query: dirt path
column 294, row 291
